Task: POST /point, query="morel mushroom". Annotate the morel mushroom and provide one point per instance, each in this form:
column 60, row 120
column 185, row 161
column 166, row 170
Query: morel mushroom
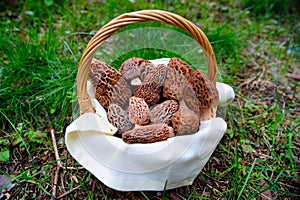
column 163, row 112
column 152, row 85
column 139, row 112
column 148, row 134
column 121, row 93
column 185, row 121
column 118, row 117
column 190, row 99
column 176, row 80
column 206, row 92
column 180, row 66
column 108, row 84
column 134, row 70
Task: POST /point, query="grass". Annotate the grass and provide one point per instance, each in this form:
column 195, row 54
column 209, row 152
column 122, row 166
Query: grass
column 41, row 44
column 270, row 8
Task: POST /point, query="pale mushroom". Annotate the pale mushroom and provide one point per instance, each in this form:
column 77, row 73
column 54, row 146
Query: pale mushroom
column 139, row 112
column 162, row 113
column 118, row 117
column 148, row 134
column 121, row 93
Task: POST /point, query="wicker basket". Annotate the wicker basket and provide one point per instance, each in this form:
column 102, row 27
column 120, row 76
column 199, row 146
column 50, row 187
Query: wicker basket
column 133, row 18
column 167, row 164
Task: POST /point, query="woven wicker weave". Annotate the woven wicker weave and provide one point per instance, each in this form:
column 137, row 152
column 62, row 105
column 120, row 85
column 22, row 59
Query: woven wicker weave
column 133, row 18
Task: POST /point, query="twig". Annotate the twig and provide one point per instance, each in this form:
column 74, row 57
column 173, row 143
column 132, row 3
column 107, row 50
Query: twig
column 55, row 181
column 248, row 81
column 72, row 168
column 52, row 132
column 59, row 164
column 68, row 192
column 255, row 83
column 293, row 76
column 93, row 187
column 102, row 190
column 214, row 189
column 262, row 194
column 62, row 181
column 258, row 77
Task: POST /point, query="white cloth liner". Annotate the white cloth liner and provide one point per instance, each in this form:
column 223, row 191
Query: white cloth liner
column 134, row 167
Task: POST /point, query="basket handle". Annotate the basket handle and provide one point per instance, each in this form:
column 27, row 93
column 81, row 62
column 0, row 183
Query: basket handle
column 132, row 18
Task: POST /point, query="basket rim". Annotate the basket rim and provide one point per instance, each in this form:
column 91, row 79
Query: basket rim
column 123, row 20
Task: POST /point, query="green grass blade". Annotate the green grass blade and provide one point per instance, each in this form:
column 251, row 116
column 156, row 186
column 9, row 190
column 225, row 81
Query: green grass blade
column 247, row 179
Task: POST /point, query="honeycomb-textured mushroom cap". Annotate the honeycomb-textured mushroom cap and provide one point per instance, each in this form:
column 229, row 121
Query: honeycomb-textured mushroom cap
column 185, row 121
column 108, row 84
column 205, row 91
column 134, row 71
column 150, row 90
column 119, row 118
column 162, row 113
column 130, row 68
column 135, row 68
column 180, row 66
column 176, row 79
column 190, row 99
column 139, row 112
column 121, row 93
column 148, row 134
